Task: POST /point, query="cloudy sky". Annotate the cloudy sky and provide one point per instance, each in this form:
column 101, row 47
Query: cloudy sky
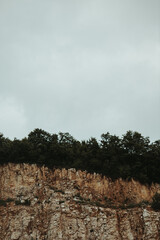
column 80, row 66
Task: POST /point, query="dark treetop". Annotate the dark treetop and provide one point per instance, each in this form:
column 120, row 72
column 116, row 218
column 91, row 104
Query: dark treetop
column 132, row 156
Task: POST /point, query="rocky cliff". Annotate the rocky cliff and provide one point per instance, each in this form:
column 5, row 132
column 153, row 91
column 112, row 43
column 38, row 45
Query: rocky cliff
column 39, row 203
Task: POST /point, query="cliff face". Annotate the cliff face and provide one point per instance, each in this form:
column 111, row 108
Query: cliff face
column 37, row 203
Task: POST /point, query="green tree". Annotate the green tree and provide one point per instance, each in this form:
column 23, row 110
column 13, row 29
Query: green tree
column 39, row 136
column 40, row 142
column 135, row 143
column 111, row 154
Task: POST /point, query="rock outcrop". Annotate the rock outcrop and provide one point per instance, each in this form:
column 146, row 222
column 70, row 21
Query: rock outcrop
column 39, row 203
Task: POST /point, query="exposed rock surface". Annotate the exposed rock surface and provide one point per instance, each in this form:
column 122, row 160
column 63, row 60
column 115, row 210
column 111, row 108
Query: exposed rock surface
column 37, row 203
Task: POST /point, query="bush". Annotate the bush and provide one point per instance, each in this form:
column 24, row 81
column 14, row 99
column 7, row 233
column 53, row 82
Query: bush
column 59, row 190
column 26, row 202
column 108, row 200
column 3, row 203
column 156, row 202
column 9, row 200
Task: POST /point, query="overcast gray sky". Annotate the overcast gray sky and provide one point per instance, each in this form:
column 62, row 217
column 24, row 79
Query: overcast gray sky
column 80, row 66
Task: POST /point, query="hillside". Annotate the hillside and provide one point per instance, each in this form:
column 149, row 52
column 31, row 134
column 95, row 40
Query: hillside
column 42, row 203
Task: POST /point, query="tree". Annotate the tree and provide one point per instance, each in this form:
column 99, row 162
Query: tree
column 131, row 156
column 39, row 136
column 111, row 151
column 40, row 142
column 135, row 143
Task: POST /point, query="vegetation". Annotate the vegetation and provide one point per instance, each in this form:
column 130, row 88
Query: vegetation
column 3, row 203
column 156, row 202
column 26, row 202
column 132, row 156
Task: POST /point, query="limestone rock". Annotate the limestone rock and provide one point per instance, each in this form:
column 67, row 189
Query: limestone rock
column 43, row 204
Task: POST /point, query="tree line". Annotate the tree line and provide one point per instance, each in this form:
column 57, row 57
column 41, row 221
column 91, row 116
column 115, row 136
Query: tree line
column 131, row 156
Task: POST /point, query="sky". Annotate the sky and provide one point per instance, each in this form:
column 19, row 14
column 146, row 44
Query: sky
column 85, row 67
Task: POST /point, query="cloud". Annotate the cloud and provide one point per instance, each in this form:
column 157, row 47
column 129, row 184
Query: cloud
column 12, row 118
column 84, row 67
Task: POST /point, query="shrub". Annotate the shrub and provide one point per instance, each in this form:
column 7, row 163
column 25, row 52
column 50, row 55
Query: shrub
column 77, row 187
column 144, row 203
column 26, row 202
column 156, row 202
column 77, row 195
column 98, row 204
column 132, row 205
column 9, row 200
column 59, row 190
column 3, row 203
